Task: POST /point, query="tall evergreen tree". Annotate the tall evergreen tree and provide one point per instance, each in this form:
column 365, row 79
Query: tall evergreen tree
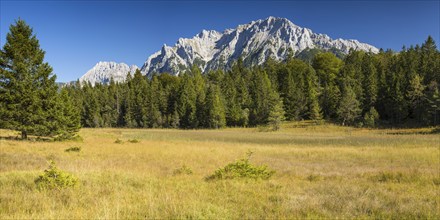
column 153, row 109
column 276, row 113
column 139, row 89
column 369, row 84
column 90, row 112
column 311, row 91
column 260, row 91
column 68, row 116
column 327, row 67
column 186, row 103
column 349, row 107
column 28, row 93
column 215, row 110
column 415, row 97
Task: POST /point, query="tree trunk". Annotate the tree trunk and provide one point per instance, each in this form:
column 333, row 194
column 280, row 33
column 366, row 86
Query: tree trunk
column 24, row 134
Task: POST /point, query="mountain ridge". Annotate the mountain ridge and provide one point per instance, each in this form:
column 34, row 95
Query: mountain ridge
column 255, row 42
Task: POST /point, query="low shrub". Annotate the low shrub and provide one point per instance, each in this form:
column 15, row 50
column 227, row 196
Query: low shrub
column 73, row 149
column 242, row 169
column 183, row 170
column 119, row 141
column 313, row 177
column 54, row 178
column 134, row 140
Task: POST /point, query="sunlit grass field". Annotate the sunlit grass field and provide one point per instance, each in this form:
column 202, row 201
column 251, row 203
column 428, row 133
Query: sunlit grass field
column 322, row 171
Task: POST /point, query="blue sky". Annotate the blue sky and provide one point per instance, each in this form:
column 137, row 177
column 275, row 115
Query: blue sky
column 78, row 34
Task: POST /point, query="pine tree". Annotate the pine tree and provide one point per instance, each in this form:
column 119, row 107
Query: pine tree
column 327, row 67
column 114, row 101
column 371, row 117
column 291, row 77
column 311, row 91
column 431, row 114
column 186, row 102
column 126, row 118
column 369, row 84
column 153, row 109
column 235, row 114
column 175, row 120
column 28, row 93
column 276, row 114
column 215, row 110
column 260, row 92
column 68, row 117
column 415, row 97
column 139, row 89
column 429, row 61
column 200, row 89
column 349, row 107
column 90, row 112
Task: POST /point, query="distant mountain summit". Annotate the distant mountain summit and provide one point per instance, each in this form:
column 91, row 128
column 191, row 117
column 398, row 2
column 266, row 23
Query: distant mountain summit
column 102, row 72
column 254, row 42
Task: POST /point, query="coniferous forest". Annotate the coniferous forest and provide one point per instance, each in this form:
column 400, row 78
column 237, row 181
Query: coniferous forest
column 362, row 89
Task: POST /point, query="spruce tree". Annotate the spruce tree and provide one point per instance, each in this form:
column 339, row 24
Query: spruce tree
column 429, row 61
column 139, row 90
column 28, row 93
column 114, row 101
column 291, row 87
column 68, row 117
column 311, row 91
column 276, row 114
column 200, row 89
column 260, row 92
column 186, row 102
column 90, row 112
column 415, row 96
column 349, row 107
column 235, row 114
column 327, row 67
column 369, row 83
column 126, row 117
column 153, row 110
column 215, row 110
column 431, row 114
column 371, row 117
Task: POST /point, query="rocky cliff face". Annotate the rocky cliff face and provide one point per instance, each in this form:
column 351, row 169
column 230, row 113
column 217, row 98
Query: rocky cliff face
column 254, row 42
column 102, row 72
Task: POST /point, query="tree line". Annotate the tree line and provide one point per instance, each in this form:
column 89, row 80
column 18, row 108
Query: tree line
column 362, row 89
column 359, row 89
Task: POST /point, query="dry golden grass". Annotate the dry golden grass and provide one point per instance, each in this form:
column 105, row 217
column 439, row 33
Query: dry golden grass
column 322, row 171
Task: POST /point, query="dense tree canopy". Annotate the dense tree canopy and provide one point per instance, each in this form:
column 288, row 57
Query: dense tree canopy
column 362, row 89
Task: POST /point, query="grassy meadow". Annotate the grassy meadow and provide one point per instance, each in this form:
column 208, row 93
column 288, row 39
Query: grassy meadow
column 322, row 171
